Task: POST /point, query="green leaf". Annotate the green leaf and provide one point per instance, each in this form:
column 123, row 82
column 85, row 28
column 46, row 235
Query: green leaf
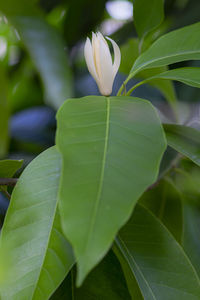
column 133, row 286
column 105, row 282
column 147, row 15
column 4, row 114
column 164, row 86
column 38, row 256
column 45, row 47
column 185, row 140
column 9, row 167
column 191, row 241
column 160, row 265
column 79, row 21
column 164, row 201
column 21, row 7
column 129, row 53
column 189, row 76
column 178, row 45
column 111, row 150
column 188, row 184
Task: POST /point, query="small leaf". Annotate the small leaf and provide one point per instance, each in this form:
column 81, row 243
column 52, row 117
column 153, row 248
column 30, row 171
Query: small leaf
column 147, row 15
column 178, row 45
column 185, row 140
column 160, row 265
column 189, row 76
column 111, row 150
column 9, row 167
column 39, row 256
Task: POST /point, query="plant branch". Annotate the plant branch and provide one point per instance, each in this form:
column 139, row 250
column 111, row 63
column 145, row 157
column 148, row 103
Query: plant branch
column 8, row 181
column 6, row 194
column 135, row 86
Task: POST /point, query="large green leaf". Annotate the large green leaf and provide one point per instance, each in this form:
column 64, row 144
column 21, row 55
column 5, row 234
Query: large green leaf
column 38, row 254
column 185, row 140
column 189, row 76
column 160, row 265
column 165, row 202
column 105, row 282
column 111, row 150
column 132, row 283
column 147, row 15
column 188, row 183
column 45, row 47
column 178, row 45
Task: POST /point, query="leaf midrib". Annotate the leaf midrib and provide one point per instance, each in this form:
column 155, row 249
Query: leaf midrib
column 95, row 209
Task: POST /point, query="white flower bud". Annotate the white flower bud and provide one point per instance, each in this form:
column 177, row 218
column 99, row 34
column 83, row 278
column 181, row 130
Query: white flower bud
column 99, row 62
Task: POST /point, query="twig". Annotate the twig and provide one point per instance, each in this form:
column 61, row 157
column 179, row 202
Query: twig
column 6, row 194
column 8, row 181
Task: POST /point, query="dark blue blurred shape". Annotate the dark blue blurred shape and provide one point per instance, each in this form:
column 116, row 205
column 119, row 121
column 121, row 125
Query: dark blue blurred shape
column 34, row 125
column 3, row 204
column 3, row 207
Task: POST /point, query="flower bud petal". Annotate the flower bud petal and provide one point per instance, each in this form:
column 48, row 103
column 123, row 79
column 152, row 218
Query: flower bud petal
column 117, row 56
column 106, row 76
column 88, row 53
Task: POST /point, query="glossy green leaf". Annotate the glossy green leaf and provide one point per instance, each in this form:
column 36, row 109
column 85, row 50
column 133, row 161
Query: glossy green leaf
column 189, row 76
column 185, row 140
column 164, row 201
column 105, row 282
column 45, row 47
column 38, row 254
column 111, row 150
column 147, row 15
column 160, row 265
column 178, row 45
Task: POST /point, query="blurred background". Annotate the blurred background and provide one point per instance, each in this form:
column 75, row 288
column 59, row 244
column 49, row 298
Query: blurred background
column 42, row 64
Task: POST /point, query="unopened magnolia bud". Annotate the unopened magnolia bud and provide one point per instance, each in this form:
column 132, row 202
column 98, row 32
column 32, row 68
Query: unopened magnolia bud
column 99, row 62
